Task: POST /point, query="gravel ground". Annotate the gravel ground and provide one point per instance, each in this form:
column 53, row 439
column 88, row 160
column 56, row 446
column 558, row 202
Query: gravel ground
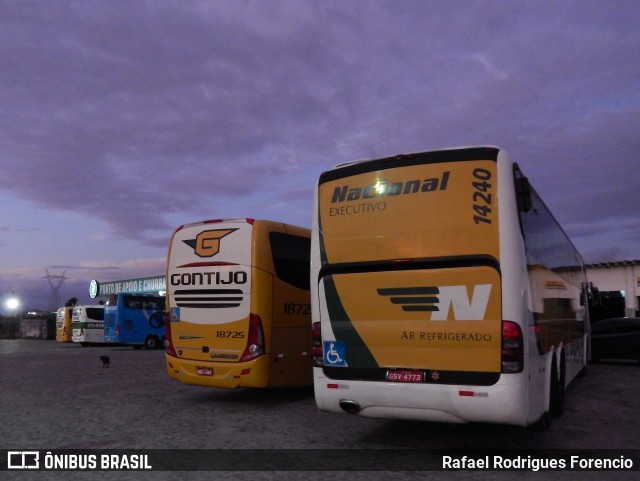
column 58, row 396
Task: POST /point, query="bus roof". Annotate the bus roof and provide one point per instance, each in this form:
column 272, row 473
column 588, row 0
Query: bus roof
column 397, row 156
column 443, row 155
column 248, row 220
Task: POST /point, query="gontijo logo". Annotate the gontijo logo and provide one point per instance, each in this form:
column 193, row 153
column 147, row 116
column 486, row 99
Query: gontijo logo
column 207, row 242
column 440, row 299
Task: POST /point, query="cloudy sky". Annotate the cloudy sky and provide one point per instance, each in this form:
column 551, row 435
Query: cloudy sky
column 120, row 120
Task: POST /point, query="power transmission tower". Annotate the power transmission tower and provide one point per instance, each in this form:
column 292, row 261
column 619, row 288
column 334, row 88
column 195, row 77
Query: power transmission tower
column 55, row 282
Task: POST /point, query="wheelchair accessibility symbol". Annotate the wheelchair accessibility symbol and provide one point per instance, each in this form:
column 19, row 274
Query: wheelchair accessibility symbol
column 334, row 353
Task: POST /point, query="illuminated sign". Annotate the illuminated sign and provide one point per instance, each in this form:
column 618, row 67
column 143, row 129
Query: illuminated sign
column 141, row 285
column 93, row 289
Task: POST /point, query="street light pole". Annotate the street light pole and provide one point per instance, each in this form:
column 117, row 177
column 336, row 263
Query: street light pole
column 12, row 305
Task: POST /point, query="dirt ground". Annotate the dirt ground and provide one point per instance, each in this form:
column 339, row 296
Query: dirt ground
column 58, row 396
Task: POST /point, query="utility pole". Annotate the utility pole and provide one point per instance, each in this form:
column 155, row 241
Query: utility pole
column 55, row 282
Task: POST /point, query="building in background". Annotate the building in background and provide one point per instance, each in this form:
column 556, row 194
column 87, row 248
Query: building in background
column 619, row 285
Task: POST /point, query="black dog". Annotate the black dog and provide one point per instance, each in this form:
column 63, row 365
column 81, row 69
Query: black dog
column 105, row 361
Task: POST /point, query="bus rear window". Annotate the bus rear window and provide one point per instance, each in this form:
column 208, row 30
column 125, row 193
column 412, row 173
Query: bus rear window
column 144, row 302
column 96, row 313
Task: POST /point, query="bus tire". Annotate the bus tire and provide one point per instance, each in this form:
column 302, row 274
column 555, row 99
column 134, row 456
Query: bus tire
column 546, row 420
column 583, row 372
column 542, row 424
column 151, row 342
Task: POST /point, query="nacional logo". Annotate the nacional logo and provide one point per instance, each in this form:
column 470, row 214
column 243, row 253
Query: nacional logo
column 207, row 243
column 382, row 188
column 439, row 300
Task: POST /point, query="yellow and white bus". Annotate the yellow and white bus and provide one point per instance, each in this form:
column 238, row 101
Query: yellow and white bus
column 64, row 330
column 443, row 289
column 238, row 304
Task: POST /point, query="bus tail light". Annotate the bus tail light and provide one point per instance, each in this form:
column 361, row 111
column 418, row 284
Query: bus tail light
column 117, row 329
column 255, row 339
column 512, row 348
column 316, row 339
column 168, row 344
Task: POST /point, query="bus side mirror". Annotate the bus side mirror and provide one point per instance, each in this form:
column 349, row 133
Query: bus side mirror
column 523, row 194
column 596, row 299
column 592, row 295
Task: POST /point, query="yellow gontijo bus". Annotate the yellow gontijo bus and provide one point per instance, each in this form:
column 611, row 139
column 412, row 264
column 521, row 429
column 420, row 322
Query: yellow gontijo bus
column 238, row 304
column 443, row 289
column 64, row 330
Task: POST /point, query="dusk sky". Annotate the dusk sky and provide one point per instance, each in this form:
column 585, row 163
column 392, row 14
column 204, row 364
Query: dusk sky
column 120, row 120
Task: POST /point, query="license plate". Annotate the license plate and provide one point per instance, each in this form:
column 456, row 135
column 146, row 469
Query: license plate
column 204, row 371
column 397, row 375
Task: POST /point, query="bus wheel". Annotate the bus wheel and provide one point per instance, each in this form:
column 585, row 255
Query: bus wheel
column 546, row 420
column 557, row 388
column 542, row 424
column 151, row 342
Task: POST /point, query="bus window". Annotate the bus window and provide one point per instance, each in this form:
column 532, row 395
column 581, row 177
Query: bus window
column 291, row 258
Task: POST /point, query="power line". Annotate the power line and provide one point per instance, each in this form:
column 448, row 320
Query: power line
column 55, row 282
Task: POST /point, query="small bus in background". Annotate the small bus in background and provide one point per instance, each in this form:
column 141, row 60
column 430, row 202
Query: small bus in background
column 238, row 304
column 443, row 289
column 135, row 319
column 64, row 330
column 88, row 325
